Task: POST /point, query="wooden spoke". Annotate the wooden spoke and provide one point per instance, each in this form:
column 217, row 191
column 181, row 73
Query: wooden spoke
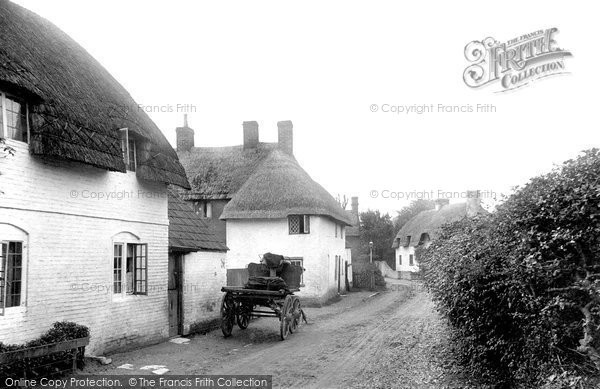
column 286, row 317
column 243, row 317
column 296, row 314
column 227, row 314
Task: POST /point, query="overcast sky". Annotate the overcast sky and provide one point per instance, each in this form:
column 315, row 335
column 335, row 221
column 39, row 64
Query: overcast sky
column 323, row 64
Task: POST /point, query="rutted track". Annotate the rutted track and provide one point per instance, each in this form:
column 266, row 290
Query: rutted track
column 392, row 340
column 340, row 350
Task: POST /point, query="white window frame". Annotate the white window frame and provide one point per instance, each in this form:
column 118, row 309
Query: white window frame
column 4, row 129
column 123, row 281
column 125, row 137
column 4, row 260
column 306, row 225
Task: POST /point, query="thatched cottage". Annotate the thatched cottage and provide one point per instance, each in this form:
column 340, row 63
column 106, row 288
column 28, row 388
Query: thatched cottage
column 84, row 221
column 261, row 200
column 422, row 228
column 197, row 270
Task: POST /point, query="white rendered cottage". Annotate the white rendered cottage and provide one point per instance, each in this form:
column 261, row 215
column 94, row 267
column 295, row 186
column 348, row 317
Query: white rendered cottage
column 261, row 200
column 422, row 229
column 83, row 200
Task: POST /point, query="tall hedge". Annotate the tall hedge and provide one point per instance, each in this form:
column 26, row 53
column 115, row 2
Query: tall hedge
column 521, row 286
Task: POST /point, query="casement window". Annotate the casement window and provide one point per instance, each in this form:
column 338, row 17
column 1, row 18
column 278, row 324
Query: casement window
column 298, row 261
column 336, row 228
column 128, row 148
column 130, row 268
column 342, row 232
column 11, row 273
column 399, row 259
column 299, row 224
column 411, row 259
column 203, row 208
column 118, row 268
column 14, row 118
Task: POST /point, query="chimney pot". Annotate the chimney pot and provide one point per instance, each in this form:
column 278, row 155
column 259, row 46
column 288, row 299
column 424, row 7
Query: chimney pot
column 250, row 135
column 285, row 131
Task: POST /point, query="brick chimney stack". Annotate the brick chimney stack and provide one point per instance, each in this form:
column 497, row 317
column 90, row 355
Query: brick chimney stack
column 250, row 135
column 285, row 131
column 185, row 136
column 354, row 202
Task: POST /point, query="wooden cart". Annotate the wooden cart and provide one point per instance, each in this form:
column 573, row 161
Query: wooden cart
column 240, row 304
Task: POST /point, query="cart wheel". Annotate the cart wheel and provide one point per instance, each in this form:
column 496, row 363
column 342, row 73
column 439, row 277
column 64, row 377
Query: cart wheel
column 243, row 318
column 296, row 315
column 286, row 317
column 227, row 314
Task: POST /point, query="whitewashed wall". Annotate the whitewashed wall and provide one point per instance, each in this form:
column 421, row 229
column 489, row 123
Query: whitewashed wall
column 69, row 249
column 248, row 239
column 204, row 273
column 405, row 252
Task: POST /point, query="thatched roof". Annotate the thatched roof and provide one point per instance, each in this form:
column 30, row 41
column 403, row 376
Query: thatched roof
column 219, row 172
column 428, row 222
column 187, row 231
column 76, row 106
column 279, row 187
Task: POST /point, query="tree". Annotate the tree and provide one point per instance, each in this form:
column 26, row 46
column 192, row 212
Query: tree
column 378, row 229
column 521, row 286
column 410, row 211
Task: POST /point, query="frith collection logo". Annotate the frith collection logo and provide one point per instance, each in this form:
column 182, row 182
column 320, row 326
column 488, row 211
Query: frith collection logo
column 515, row 63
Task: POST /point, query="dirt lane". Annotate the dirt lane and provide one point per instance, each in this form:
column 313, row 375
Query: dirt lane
column 341, row 350
column 391, row 340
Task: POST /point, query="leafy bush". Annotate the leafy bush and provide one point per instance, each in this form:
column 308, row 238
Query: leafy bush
column 520, row 287
column 47, row 365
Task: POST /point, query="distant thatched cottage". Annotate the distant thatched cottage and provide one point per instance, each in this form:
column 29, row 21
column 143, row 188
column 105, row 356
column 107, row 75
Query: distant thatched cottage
column 422, row 229
column 84, row 221
column 261, row 200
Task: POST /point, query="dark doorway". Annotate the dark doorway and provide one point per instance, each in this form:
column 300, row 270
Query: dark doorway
column 175, row 288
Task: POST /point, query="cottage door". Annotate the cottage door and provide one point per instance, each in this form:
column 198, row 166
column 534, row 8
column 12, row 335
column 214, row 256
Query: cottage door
column 175, row 295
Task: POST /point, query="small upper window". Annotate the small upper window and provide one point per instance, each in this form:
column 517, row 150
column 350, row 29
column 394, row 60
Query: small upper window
column 14, row 118
column 299, row 224
column 129, row 149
